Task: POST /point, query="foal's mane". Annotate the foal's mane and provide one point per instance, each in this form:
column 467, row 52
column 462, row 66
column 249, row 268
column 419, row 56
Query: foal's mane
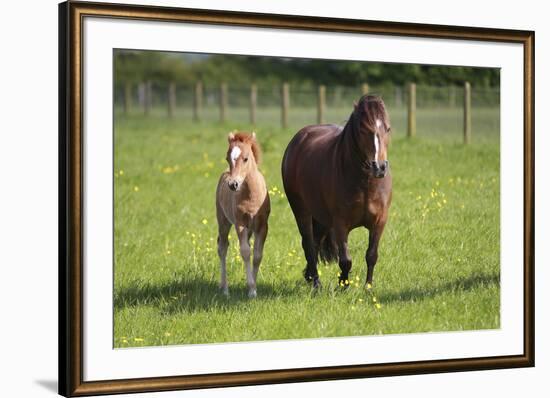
column 249, row 139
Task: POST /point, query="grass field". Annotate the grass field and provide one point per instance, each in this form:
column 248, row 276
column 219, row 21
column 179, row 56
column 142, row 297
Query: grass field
column 438, row 268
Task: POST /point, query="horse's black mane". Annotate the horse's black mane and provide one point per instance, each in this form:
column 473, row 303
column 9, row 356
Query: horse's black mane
column 368, row 110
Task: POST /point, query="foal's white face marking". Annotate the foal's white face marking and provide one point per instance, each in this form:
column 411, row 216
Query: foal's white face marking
column 235, row 153
column 376, row 146
column 378, row 123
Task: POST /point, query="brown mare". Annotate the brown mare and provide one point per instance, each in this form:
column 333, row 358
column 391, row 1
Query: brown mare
column 337, row 179
column 242, row 200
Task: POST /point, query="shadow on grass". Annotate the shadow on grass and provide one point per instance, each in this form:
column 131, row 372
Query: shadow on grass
column 458, row 285
column 190, row 295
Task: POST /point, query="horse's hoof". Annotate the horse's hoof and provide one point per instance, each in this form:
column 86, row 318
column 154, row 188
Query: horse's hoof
column 316, row 283
column 307, row 276
column 252, row 294
column 368, row 286
column 343, row 283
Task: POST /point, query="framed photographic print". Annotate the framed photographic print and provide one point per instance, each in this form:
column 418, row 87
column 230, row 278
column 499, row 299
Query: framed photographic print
column 253, row 199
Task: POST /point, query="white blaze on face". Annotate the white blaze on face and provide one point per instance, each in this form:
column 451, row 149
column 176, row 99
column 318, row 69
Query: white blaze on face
column 235, row 153
column 376, row 140
column 376, row 148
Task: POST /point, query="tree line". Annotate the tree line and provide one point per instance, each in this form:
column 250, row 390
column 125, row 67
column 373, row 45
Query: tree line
column 185, row 68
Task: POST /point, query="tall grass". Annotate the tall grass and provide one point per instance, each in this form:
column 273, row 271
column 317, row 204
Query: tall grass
column 438, row 268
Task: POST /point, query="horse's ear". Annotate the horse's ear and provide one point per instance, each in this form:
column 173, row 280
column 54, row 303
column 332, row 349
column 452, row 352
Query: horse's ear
column 354, row 105
column 230, row 137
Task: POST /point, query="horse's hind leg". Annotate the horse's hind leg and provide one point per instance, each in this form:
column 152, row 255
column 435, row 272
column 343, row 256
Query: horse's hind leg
column 223, row 243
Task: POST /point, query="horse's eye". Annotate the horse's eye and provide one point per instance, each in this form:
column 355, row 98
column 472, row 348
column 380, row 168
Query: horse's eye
column 246, row 159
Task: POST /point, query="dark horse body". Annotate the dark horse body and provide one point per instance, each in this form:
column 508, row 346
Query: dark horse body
column 337, row 179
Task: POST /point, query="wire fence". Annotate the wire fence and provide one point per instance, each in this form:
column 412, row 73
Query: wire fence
column 436, row 111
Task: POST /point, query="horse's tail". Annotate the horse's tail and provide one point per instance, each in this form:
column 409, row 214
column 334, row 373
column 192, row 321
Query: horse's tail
column 324, row 240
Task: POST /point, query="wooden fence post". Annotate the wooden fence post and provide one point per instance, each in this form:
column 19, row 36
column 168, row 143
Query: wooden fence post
column 411, row 119
column 223, row 102
column 467, row 113
column 197, row 102
column 253, row 103
column 285, row 104
column 364, row 89
column 127, row 97
column 171, row 99
column 321, row 104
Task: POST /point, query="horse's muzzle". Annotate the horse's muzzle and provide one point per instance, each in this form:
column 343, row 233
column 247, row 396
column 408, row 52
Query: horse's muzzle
column 380, row 169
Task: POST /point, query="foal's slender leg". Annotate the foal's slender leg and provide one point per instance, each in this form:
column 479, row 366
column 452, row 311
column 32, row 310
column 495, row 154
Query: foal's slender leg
column 371, row 255
column 244, row 243
column 259, row 239
column 223, row 243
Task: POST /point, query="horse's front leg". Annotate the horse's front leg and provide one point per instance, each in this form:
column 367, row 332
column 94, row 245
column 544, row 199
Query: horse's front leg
column 305, row 227
column 344, row 258
column 371, row 255
column 244, row 244
column 224, row 226
column 260, row 236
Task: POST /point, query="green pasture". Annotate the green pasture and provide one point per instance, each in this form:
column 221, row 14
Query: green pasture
column 438, row 267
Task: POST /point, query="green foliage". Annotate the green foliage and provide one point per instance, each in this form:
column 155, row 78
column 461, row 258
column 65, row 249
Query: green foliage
column 438, row 268
column 134, row 66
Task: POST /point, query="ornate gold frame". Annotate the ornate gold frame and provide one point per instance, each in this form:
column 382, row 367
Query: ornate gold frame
column 71, row 237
